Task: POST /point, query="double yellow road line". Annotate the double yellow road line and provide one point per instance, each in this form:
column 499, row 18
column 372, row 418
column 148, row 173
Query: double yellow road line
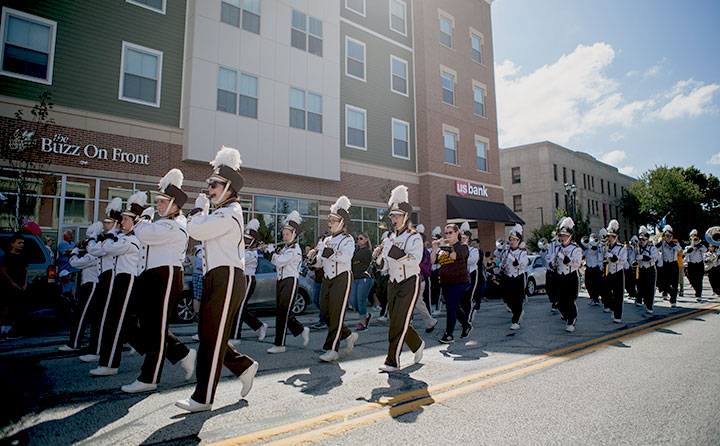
column 324, row 426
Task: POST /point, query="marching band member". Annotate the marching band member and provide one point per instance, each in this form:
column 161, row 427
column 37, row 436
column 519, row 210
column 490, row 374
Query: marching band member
column 159, row 284
column 468, row 300
column 669, row 249
column 382, row 278
column 287, row 261
column 712, row 265
column 221, row 234
column 400, row 254
column 89, row 267
column 552, row 250
column 629, row 272
column 593, row 270
column 614, row 261
column 251, row 260
column 454, row 280
column 111, row 224
column 513, row 266
column 695, row 263
column 334, row 254
column 568, row 259
column 125, row 247
column 647, row 257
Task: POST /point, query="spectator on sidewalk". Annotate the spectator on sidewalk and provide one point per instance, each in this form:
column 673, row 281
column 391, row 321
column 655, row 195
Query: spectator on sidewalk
column 63, row 252
column 13, row 278
column 49, row 242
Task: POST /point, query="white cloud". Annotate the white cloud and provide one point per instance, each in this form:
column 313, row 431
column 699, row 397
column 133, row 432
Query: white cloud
column 715, row 159
column 627, row 170
column 614, row 157
column 615, row 137
column 655, row 69
column 573, row 96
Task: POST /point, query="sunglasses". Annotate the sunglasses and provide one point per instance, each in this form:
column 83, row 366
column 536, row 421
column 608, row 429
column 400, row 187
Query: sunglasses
column 362, row 238
column 449, row 232
column 214, row 184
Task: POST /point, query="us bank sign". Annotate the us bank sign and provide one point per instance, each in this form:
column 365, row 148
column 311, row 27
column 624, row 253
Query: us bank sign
column 465, row 188
column 61, row 145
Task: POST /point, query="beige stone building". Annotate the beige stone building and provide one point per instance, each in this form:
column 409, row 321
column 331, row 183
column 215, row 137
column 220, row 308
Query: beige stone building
column 538, row 180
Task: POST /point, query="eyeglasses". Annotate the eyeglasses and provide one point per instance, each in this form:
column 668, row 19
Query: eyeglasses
column 214, row 184
column 333, row 220
column 449, row 232
column 362, row 238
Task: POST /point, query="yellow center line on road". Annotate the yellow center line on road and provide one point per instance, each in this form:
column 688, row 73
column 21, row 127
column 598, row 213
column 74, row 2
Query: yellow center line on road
column 410, row 401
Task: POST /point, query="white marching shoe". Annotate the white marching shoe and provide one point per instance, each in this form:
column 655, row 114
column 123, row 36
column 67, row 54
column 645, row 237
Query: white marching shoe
column 262, row 331
column 188, row 363
column 192, row 406
column 648, row 311
column 419, row 353
column 90, row 358
column 137, row 387
column 570, row 328
column 67, row 348
column 515, row 327
column 104, row 371
column 617, row 320
column 247, row 377
column 329, row 356
column 388, row 368
column 276, row 349
column 305, row 336
column 350, row 342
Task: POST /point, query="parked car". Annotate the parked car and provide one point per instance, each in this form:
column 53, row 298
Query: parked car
column 536, row 269
column 40, row 267
column 263, row 297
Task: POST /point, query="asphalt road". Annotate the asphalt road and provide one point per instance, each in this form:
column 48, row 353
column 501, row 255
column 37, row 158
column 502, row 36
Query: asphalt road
column 650, row 380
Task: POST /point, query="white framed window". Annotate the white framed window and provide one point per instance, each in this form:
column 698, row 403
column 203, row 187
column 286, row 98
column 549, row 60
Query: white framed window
column 28, row 46
column 306, row 33
column 450, row 141
column 479, row 98
column 356, row 6
column 354, row 58
column 400, row 139
column 305, row 110
column 227, row 90
column 448, row 87
column 243, row 14
column 248, row 101
column 140, row 75
column 297, row 108
column 476, row 43
column 398, row 75
column 152, row 5
column 355, row 125
column 446, row 28
column 314, row 112
column 397, row 16
column 481, row 145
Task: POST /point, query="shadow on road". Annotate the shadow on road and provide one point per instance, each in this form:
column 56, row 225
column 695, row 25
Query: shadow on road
column 320, row 380
column 405, row 410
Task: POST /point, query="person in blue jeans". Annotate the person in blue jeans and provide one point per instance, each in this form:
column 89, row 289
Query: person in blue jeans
column 317, row 288
column 361, row 280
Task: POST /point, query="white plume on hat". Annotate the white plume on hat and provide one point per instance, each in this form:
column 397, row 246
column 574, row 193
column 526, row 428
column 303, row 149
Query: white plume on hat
column 694, row 233
column 94, row 229
column 516, row 231
column 292, row 216
column 137, row 198
column 174, row 177
column 420, row 228
column 613, row 226
column 465, row 227
column 567, row 223
column 668, row 228
column 342, row 203
column 437, row 230
column 114, row 205
column 634, row 239
column 398, row 195
column 602, row 232
column 643, row 230
column 253, row 225
column 227, row 156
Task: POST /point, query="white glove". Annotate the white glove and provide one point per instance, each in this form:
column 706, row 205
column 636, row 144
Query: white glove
column 75, row 251
column 203, row 203
column 270, row 248
column 148, row 212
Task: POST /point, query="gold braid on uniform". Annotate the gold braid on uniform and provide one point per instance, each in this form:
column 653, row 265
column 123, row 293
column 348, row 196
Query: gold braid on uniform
column 174, row 214
column 227, row 202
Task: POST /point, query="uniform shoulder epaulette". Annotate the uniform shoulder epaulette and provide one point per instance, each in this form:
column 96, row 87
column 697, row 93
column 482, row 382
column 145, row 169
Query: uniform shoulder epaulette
column 412, row 231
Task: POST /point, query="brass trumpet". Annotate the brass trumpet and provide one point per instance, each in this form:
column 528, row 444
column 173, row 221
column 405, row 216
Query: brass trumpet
column 635, row 264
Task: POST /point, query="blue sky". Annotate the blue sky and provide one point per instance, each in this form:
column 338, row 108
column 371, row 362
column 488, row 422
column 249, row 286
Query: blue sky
column 636, row 83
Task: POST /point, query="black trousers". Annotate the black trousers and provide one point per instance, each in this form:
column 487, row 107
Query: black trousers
column 381, row 283
column 117, row 308
column 593, row 283
column 473, row 293
column 613, row 289
column 285, row 292
column 514, row 292
column 714, row 278
column 223, row 296
column 646, row 286
column 695, row 273
column 87, row 308
column 105, row 282
column 550, row 287
column 402, row 298
column 630, row 285
column 435, row 287
column 333, row 302
column 566, row 286
column 668, row 278
column 247, row 317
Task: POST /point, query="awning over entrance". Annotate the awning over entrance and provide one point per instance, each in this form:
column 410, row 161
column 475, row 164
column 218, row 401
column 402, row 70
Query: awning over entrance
column 467, row 208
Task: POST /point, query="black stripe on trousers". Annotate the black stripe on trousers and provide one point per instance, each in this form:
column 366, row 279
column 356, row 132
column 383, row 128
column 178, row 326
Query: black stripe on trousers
column 86, row 308
column 116, row 309
column 333, row 302
column 104, row 289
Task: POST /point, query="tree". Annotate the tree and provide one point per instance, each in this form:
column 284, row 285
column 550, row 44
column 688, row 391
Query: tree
column 17, row 154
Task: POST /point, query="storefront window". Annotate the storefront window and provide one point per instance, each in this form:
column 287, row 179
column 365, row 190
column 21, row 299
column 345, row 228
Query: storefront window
column 306, row 207
column 78, row 212
column 80, row 187
column 112, row 189
column 286, row 205
column 267, row 227
column 264, row 204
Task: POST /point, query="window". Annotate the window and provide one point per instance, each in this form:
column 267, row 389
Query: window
column 354, row 58
column 448, row 88
column 248, row 96
column 446, row 26
column 557, row 200
column 517, row 203
column 515, row 175
column 231, row 12
column 298, row 30
column 608, row 188
column 584, row 181
column 593, row 182
column 602, row 186
column 450, row 140
column 555, row 171
column 589, row 208
column 314, row 113
column 398, row 81
column 564, row 174
column 227, row 90
column 615, row 188
column 476, row 42
column 357, row 6
column 355, row 124
column 297, row 108
column 401, row 139
column 481, row 154
column 141, row 75
column 315, row 37
column 306, row 33
column 397, row 16
column 152, row 5
column 28, row 46
column 573, row 177
column 479, row 99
